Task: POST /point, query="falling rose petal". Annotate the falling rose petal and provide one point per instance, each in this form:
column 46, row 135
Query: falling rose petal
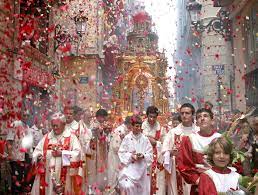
column 23, row 150
column 65, row 48
column 229, row 91
column 64, row 8
column 193, row 99
column 17, row 183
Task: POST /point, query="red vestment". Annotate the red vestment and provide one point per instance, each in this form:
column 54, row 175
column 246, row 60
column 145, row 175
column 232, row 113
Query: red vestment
column 216, row 181
column 190, row 159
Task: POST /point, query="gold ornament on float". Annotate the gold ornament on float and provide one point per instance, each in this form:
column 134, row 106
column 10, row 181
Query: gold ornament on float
column 141, row 82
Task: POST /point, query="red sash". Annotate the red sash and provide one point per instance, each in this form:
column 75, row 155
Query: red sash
column 179, row 181
column 155, row 165
column 77, row 132
column 46, row 146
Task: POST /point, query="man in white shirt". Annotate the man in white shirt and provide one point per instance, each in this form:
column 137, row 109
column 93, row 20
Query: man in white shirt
column 75, row 124
column 99, row 151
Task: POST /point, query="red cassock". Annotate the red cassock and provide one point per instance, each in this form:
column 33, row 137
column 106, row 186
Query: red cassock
column 215, row 180
column 206, row 185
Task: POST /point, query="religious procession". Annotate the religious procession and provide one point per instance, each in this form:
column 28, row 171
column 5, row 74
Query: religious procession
column 129, row 97
column 93, row 154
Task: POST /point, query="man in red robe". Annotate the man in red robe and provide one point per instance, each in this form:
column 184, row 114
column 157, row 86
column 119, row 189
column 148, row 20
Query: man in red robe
column 172, row 141
column 190, row 160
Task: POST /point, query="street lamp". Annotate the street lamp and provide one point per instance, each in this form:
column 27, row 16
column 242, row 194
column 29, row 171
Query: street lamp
column 80, row 23
column 220, row 24
column 62, row 36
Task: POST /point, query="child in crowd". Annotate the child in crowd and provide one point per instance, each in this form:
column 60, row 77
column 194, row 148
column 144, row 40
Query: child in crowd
column 220, row 178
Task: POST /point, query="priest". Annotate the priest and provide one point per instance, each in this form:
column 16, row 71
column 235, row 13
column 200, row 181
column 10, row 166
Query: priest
column 57, row 161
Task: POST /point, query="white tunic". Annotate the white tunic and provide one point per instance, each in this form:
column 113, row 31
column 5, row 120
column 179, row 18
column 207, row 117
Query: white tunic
column 82, row 132
column 97, row 163
column 224, row 182
column 200, row 143
column 133, row 177
column 169, row 162
column 84, row 135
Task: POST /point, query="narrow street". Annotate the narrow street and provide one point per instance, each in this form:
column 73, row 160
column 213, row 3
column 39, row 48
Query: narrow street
column 128, row 97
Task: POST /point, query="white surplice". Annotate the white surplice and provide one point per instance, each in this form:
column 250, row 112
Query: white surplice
column 133, row 177
column 169, row 160
column 151, row 131
column 37, row 135
column 113, row 159
column 82, row 132
column 53, row 165
column 84, row 135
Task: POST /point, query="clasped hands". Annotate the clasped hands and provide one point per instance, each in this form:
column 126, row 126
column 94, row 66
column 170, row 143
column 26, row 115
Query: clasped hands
column 56, row 151
column 137, row 156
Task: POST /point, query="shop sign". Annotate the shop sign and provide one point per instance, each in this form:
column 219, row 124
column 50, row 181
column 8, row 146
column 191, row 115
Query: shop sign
column 219, row 69
column 84, row 80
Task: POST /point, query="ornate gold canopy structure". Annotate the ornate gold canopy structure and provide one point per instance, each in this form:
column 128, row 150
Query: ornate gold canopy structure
column 141, row 71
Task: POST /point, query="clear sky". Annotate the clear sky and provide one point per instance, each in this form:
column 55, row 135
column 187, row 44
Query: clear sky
column 163, row 14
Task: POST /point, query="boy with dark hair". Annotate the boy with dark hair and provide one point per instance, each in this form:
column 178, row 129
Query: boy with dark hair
column 171, row 144
column 135, row 154
column 156, row 133
column 190, row 160
column 97, row 173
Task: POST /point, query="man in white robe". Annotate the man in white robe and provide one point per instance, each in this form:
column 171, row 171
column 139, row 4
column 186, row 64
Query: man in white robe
column 136, row 155
column 176, row 184
column 113, row 160
column 75, row 124
column 97, row 173
column 57, row 160
column 156, row 134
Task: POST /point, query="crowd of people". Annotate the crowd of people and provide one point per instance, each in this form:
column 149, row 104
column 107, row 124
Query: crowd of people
column 82, row 153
